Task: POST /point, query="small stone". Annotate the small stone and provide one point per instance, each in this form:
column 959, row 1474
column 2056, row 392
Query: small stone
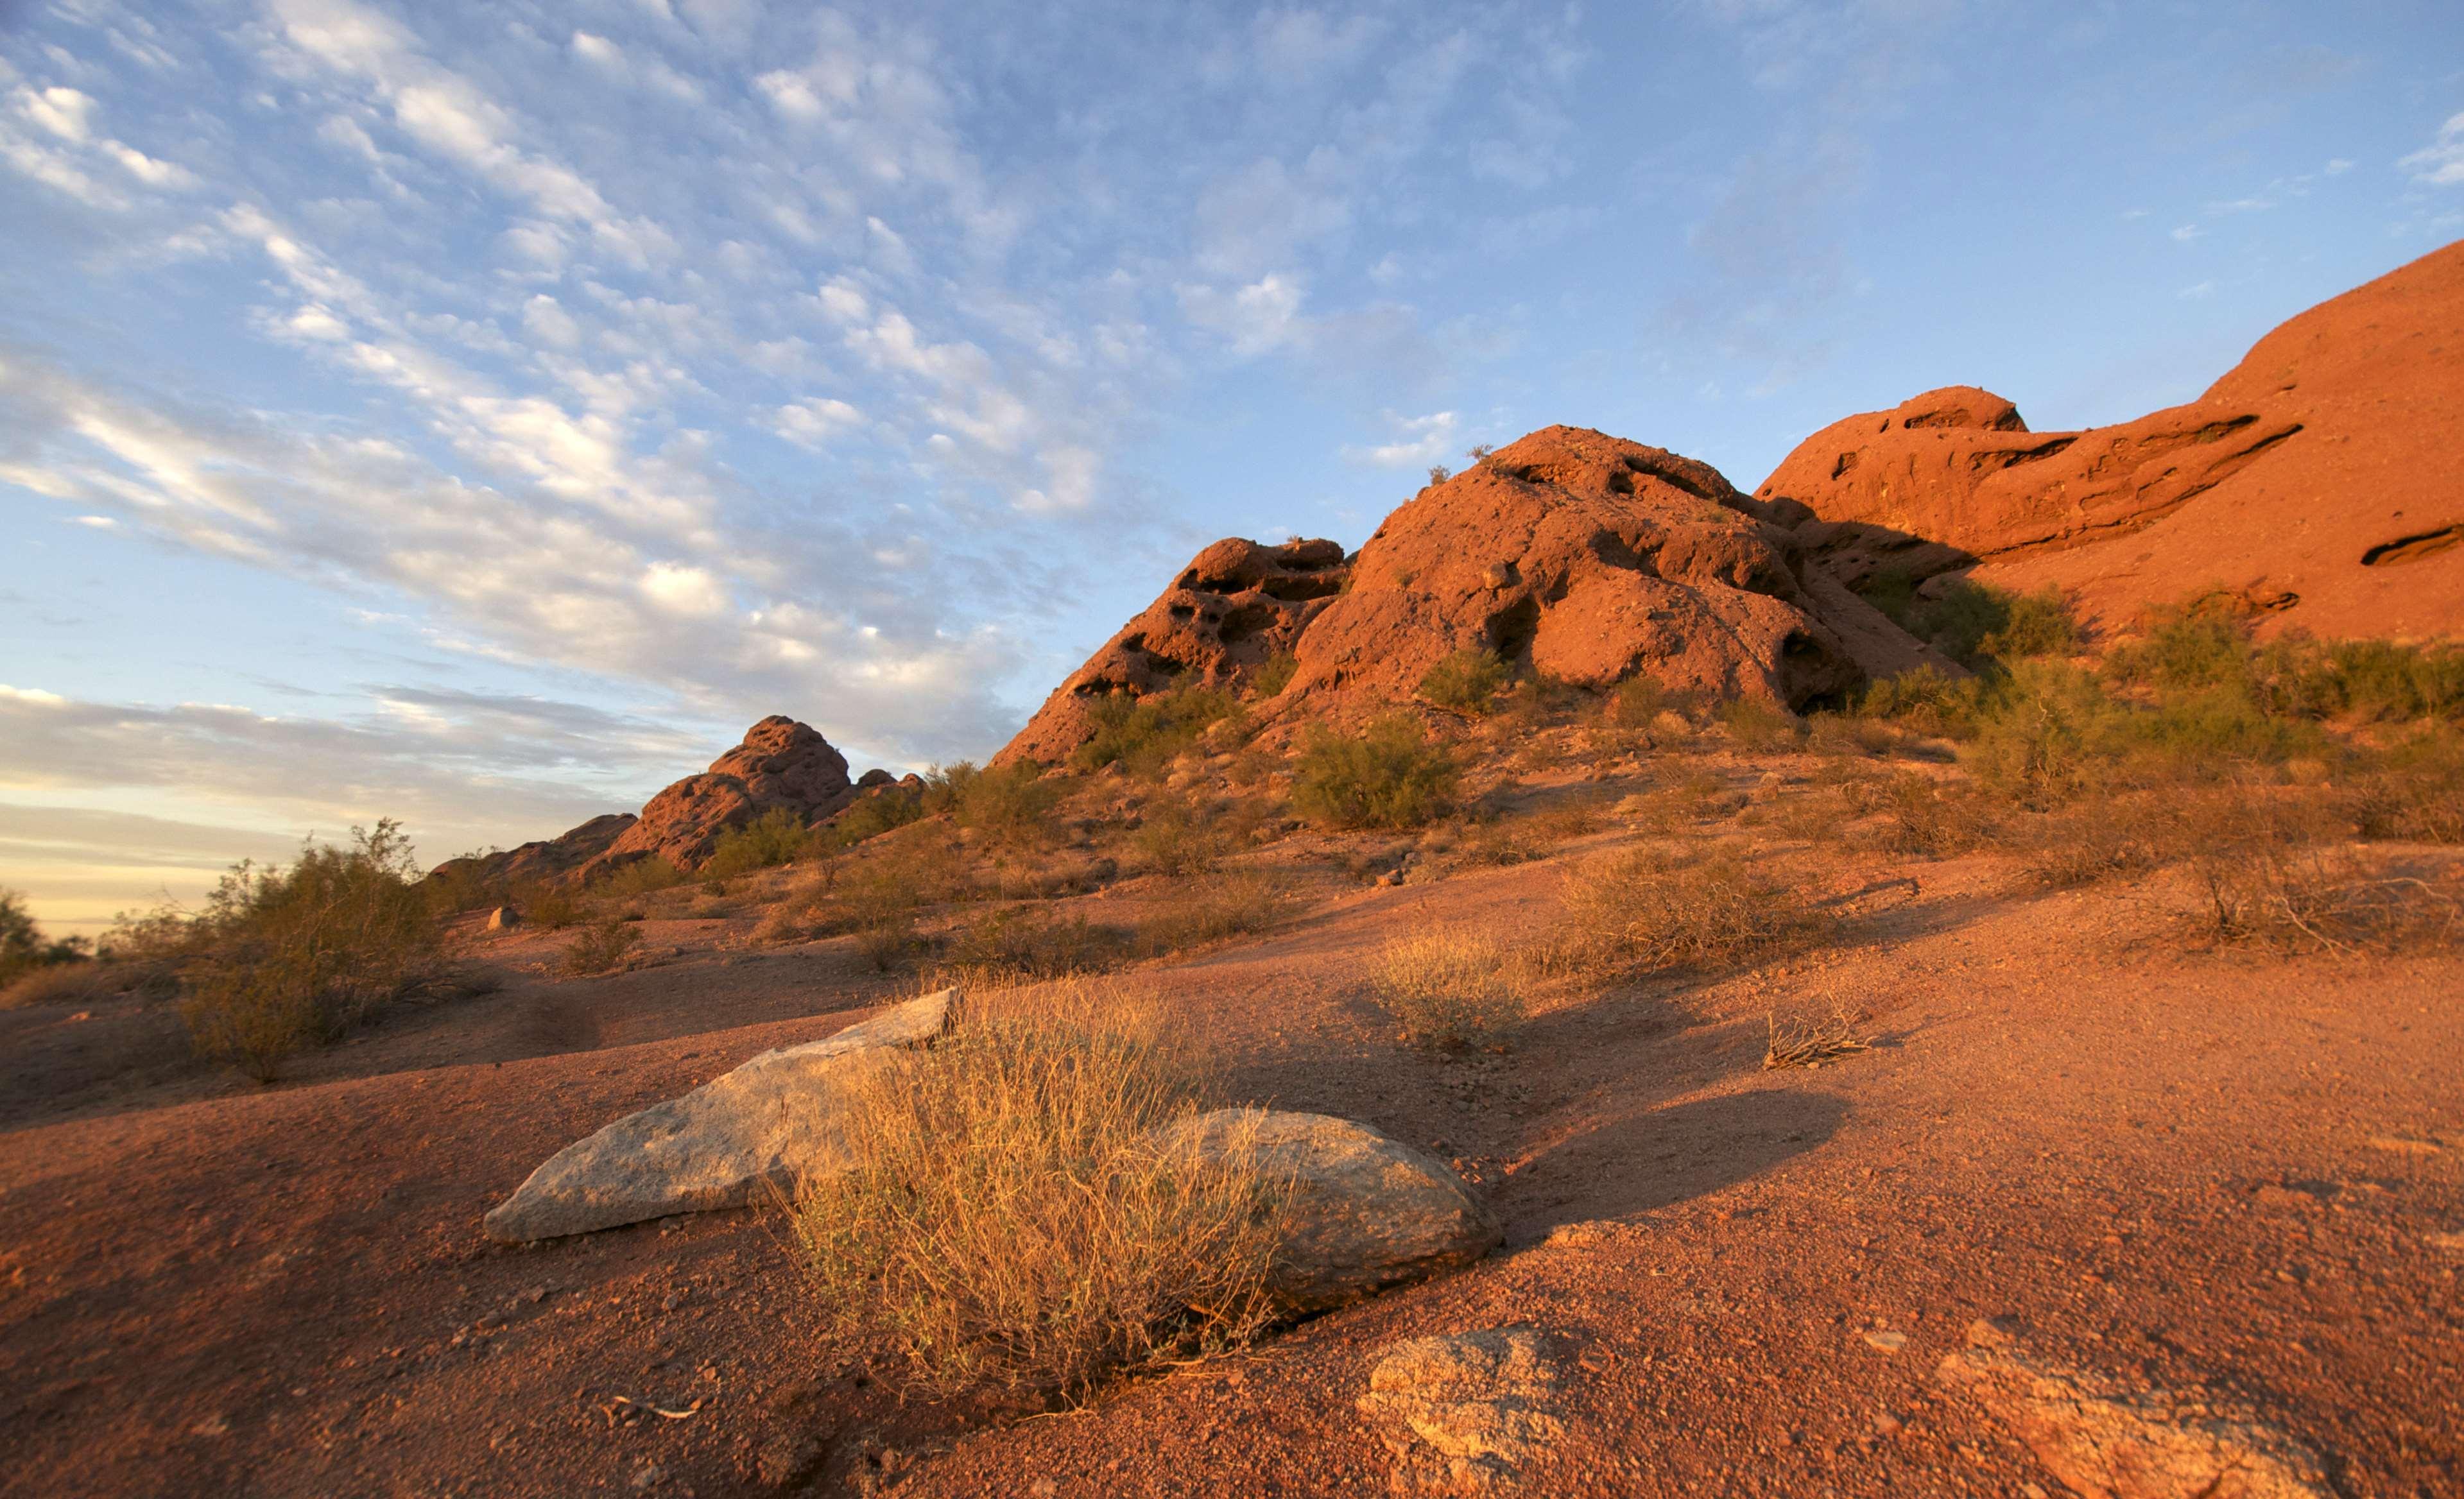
column 1463, row 1415
column 1885, row 1341
column 649, row 1475
column 2406, row 1144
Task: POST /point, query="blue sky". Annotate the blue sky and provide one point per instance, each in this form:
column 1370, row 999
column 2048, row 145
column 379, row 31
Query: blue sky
column 479, row 413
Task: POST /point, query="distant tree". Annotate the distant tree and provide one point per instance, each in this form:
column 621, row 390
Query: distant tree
column 1479, row 452
column 1439, row 474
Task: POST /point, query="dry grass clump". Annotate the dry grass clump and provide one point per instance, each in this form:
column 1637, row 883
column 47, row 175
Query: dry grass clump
column 1648, row 910
column 1174, row 838
column 601, row 947
column 2273, row 870
column 1760, row 725
column 1916, row 814
column 1024, row 944
column 1813, row 1042
column 1449, row 991
column 80, row 982
column 1465, row 681
column 1535, row 834
column 2416, row 793
column 644, row 876
column 1017, row 1229
column 1215, row 908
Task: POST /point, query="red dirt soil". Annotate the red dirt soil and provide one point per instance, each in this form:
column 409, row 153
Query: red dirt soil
column 2171, row 1165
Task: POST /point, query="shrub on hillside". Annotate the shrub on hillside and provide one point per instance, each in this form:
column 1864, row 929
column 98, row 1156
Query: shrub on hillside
column 1975, row 624
column 24, row 949
column 1024, row 945
column 1465, row 681
column 1011, row 803
column 644, row 876
column 2414, row 792
column 1212, row 908
column 1448, row 990
column 1637, row 701
column 285, row 959
column 1174, row 838
column 1274, row 676
column 1390, row 775
column 871, row 816
column 1143, row 734
column 1759, row 724
column 1015, row 1228
column 601, row 946
column 777, row 836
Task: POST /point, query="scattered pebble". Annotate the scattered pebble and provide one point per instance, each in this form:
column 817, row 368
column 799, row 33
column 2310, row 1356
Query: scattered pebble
column 1884, row 1341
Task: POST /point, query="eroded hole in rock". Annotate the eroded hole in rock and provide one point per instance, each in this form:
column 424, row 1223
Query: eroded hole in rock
column 1180, row 610
column 1840, row 469
column 2215, row 431
column 1194, row 583
column 1676, row 475
column 1511, row 628
column 1244, row 621
column 2413, row 548
column 1295, row 590
column 1622, row 482
column 2012, row 457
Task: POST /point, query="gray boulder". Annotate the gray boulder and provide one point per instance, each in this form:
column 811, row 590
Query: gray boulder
column 1367, row 1212
column 775, row 1120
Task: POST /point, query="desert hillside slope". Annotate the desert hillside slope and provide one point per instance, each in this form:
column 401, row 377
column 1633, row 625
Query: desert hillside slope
column 2313, row 485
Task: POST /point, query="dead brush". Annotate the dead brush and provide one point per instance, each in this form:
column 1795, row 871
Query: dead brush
column 601, row 947
column 1647, row 910
column 2271, row 866
column 1813, row 1042
column 1215, row 908
column 1024, row 945
column 1914, row 814
column 1534, row 835
column 1016, row 1227
column 1449, row 991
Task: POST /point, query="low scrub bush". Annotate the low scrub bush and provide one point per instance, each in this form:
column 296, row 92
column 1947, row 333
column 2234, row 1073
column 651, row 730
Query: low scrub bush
column 1647, row 910
column 875, row 813
column 81, row 981
column 1535, row 834
column 777, row 836
column 282, row 959
column 553, row 907
column 458, row 885
column 2415, row 792
column 24, row 949
column 1390, row 775
column 645, row 876
column 1920, row 816
column 1758, row 724
column 601, row 947
column 1174, row 838
column 1023, row 944
column 1465, row 681
column 1012, row 803
column 1926, row 700
column 1143, row 734
column 1214, row 908
column 1637, row 701
column 1977, row 625
column 1448, row 990
column 1017, row 1229
column 1274, row 676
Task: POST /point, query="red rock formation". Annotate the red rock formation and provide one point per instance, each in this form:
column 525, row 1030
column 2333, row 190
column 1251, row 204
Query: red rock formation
column 544, row 859
column 2313, row 484
column 1237, row 604
column 1583, row 556
column 781, row 763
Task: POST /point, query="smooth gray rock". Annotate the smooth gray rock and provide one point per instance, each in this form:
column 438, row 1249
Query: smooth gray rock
column 1367, row 1212
column 767, row 1125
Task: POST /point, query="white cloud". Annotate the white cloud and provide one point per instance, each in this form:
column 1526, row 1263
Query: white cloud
column 63, row 111
column 2184, row 234
column 1418, row 440
column 1256, row 319
column 2441, row 162
column 813, row 422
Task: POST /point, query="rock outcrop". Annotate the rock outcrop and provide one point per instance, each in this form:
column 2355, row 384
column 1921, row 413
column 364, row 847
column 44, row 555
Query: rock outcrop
column 781, row 763
column 1465, row 1414
column 1366, row 1211
column 1236, row 604
column 2107, row 1442
column 2311, row 485
column 1572, row 553
column 770, row 1123
column 544, row 860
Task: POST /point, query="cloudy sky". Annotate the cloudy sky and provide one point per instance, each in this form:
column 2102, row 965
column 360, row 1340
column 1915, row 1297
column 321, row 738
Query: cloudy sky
column 479, row 413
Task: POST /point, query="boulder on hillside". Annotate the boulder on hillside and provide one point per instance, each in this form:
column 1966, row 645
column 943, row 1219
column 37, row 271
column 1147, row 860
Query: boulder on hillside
column 1595, row 559
column 1236, row 604
column 2310, row 486
column 781, row 763
column 1367, row 1212
column 770, row 1123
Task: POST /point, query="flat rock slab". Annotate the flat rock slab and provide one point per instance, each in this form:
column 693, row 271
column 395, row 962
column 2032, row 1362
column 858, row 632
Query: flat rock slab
column 2106, row 1441
column 1464, row 1414
column 777, row 1119
column 1366, row 1211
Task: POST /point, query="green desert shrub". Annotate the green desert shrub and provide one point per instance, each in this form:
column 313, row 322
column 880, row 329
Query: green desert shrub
column 1010, row 802
column 777, row 836
column 601, row 946
column 1759, row 724
column 1389, row 775
column 1275, row 674
column 1465, row 681
column 644, row 876
column 1977, row 625
column 1019, row 1223
column 282, row 959
column 1212, row 908
column 875, row 813
column 1175, row 838
column 1143, row 734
